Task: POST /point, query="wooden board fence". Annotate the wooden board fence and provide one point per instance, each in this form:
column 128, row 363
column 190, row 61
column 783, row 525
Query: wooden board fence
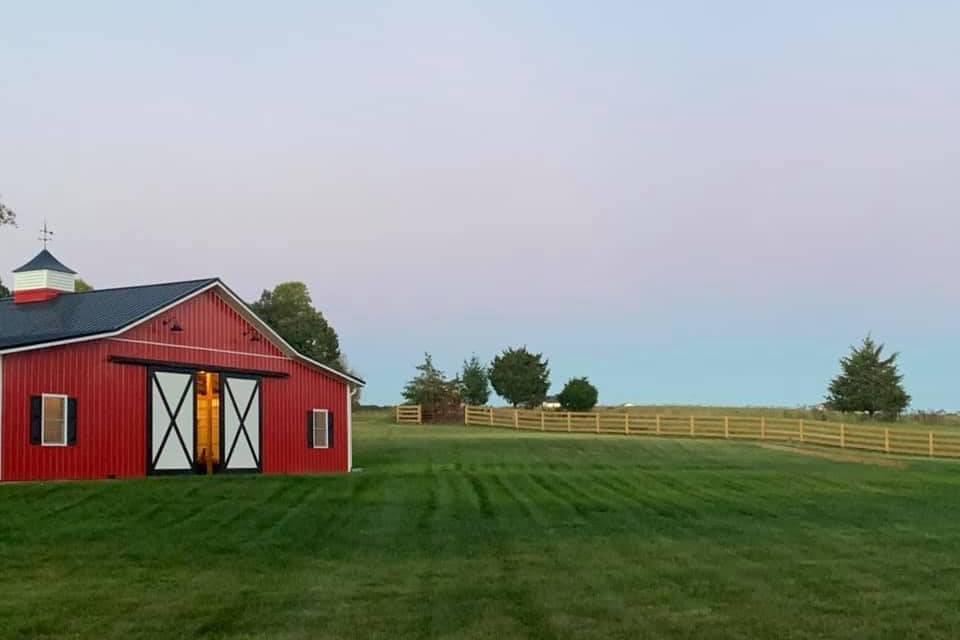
column 909, row 442
column 409, row 414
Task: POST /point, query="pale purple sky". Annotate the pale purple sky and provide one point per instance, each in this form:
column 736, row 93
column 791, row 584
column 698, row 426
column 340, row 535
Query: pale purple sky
column 687, row 202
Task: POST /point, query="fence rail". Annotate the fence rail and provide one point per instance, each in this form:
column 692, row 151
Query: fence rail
column 792, row 430
column 409, row 414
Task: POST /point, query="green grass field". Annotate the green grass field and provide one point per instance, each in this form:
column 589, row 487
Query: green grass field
column 469, row 533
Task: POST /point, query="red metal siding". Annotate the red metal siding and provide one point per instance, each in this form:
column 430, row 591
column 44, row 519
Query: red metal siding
column 111, row 397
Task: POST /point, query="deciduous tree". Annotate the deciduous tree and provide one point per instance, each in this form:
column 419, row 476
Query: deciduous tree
column 520, row 377
column 7, row 215
column 868, row 382
column 289, row 310
column 578, row 395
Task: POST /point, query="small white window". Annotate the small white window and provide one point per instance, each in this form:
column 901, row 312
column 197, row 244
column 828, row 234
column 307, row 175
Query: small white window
column 54, row 421
column 321, row 418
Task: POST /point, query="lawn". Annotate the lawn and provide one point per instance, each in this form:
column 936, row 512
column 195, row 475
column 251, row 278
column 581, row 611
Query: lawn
column 467, row 533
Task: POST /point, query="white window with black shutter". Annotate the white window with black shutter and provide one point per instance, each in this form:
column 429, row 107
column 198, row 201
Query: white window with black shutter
column 320, row 429
column 53, row 420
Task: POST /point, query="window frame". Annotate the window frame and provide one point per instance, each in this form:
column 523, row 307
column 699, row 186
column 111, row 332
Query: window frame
column 43, row 419
column 326, row 428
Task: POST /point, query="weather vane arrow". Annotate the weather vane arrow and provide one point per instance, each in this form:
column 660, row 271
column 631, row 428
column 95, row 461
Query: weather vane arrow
column 46, row 235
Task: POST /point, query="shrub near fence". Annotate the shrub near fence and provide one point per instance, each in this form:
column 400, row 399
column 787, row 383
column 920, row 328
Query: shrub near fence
column 829, row 434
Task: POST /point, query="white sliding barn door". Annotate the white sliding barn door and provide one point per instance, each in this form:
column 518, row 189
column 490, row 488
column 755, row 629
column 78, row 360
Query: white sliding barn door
column 172, row 421
column 241, row 424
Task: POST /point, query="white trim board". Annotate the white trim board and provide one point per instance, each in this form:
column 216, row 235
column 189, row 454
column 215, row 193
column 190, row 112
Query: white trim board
column 326, row 428
column 188, row 347
column 350, row 394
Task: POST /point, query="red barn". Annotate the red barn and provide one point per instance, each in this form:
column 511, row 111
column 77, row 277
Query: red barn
column 180, row 377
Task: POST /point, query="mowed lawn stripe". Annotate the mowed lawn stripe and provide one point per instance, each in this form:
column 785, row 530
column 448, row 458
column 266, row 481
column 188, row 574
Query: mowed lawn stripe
column 453, row 532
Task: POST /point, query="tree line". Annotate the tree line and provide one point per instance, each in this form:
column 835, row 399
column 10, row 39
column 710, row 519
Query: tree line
column 869, row 383
column 517, row 375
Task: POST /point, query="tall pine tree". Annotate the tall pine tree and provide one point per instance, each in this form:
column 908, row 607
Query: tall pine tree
column 474, row 383
column 430, row 388
column 868, row 382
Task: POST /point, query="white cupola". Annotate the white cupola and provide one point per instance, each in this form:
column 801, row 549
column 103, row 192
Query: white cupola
column 43, row 278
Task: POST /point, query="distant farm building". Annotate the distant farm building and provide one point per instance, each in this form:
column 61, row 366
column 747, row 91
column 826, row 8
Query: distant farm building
column 551, row 402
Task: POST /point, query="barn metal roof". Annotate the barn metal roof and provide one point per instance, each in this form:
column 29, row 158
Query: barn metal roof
column 45, row 260
column 75, row 315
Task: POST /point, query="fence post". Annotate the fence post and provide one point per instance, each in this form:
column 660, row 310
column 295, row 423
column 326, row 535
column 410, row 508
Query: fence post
column 516, row 419
column 569, row 425
column 763, row 428
column 598, row 423
column 843, row 436
column 726, row 427
column 693, row 426
column 491, row 415
column 658, row 425
column 396, row 417
column 543, row 421
column 466, row 416
column 419, row 414
column 802, row 437
column 626, row 423
column 886, row 440
column 931, row 444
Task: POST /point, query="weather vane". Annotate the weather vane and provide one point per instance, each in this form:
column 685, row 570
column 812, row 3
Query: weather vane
column 45, row 234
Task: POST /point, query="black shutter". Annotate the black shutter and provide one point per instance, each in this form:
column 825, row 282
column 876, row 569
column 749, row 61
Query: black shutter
column 36, row 419
column 71, row 421
column 330, row 429
column 310, row 429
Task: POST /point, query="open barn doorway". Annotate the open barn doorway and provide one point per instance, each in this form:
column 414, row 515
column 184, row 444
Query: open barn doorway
column 208, row 421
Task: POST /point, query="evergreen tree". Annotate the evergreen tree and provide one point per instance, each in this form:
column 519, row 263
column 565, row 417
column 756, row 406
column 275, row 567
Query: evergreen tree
column 474, row 383
column 429, row 387
column 4, row 292
column 520, row 377
column 578, row 395
column 868, row 382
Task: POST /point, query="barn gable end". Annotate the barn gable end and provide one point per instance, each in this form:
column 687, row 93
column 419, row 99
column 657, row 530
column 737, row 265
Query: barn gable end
column 206, row 322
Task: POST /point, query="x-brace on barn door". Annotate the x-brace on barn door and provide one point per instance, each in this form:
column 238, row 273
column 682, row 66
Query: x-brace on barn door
column 172, row 422
column 241, row 424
